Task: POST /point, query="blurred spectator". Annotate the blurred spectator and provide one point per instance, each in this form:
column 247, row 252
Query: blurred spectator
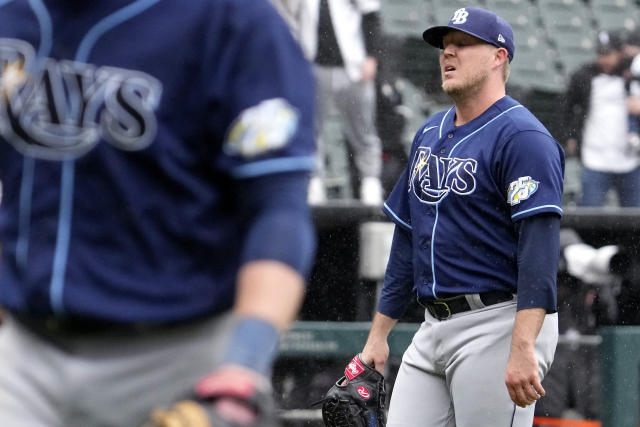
column 597, row 117
column 342, row 39
column 631, row 46
column 391, row 112
column 589, row 282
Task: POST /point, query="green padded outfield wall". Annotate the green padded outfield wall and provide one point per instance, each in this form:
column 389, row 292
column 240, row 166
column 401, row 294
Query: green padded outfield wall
column 620, row 376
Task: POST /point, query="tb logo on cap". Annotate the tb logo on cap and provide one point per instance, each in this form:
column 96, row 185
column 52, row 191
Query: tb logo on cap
column 460, row 16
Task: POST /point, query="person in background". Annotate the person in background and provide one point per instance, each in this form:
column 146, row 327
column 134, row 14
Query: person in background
column 598, row 125
column 342, row 39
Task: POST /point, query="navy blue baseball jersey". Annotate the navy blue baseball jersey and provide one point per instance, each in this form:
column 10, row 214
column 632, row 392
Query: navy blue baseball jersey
column 127, row 129
column 464, row 189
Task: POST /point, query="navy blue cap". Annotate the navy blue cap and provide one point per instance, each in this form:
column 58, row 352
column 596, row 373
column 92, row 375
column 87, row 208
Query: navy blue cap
column 480, row 23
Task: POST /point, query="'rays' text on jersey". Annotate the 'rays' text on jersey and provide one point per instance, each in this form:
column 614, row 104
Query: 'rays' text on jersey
column 433, row 177
column 61, row 109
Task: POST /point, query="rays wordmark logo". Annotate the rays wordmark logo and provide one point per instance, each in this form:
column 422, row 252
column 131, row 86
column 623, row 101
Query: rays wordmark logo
column 433, row 177
column 61, row 109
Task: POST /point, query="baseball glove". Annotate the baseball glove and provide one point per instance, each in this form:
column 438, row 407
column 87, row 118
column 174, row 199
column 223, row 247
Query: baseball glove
column 224, row 399
column 357, row 399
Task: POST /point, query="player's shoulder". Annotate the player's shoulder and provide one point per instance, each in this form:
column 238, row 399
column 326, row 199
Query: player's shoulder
column 521, row 130
column 237, row 11
column 517, row 118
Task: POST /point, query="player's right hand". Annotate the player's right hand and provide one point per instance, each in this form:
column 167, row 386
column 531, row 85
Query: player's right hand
column 376, row 353
column 521, row 377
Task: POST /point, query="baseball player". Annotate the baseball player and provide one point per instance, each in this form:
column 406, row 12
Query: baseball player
column 477, row 214
column 155, row 157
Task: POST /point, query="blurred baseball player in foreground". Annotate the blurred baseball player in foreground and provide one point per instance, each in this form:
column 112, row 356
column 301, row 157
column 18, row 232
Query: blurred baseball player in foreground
column 477, row 216
column 155, row 233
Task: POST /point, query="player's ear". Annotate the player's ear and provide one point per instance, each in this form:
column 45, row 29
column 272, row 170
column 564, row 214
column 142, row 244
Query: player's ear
column 501, row 55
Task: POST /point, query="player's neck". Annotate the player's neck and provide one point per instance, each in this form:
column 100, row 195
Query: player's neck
column 471, row 106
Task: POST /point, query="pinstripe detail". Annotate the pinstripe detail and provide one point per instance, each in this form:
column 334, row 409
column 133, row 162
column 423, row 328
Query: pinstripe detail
column 442, row 122
column 108, row 23
column 68, row 167
column 513, row 415
column 433, row 263
column 63, row 236
column 387, row 209
column 46, row 28
column 435, row 223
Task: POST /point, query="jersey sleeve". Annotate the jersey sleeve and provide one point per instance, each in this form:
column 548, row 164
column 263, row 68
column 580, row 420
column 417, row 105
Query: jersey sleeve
column 398, row 279
column 263, row 97
column 396, row 207
column 532, row 174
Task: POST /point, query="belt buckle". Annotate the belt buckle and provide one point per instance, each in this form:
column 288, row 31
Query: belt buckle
column 446, row 306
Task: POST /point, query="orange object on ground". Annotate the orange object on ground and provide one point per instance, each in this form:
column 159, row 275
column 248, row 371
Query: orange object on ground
column 559, row 422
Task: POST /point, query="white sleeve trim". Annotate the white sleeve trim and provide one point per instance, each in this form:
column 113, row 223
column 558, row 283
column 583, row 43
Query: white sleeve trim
column 395, row 217
column 552, row 207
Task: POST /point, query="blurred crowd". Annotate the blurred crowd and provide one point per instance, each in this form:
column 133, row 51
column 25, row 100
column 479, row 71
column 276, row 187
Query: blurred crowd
column 359, row 72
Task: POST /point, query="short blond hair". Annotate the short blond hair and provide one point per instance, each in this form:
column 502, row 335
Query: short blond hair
column 506, row 70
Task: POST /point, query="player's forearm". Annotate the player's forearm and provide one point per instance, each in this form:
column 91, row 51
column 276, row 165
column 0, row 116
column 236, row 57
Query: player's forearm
column 269, row 290
column 381, row 326
column 268, row 296
column 526, row 328
column 376, row 349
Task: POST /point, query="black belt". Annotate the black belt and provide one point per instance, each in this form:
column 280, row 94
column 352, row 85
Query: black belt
column 80, row 326
column 444, row 308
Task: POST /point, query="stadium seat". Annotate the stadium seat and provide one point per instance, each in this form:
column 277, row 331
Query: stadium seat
column 621, row 15
column 569, row 28
column 561, row 17
column 516, row 12
column 404, row 18
column 533, row 66
column 442, row 11
column 571, row 60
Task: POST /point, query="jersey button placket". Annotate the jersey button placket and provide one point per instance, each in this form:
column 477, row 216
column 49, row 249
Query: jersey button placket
column 426, row 243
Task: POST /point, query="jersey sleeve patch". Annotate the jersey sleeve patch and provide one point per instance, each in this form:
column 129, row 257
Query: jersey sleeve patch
column 521, row 189
column 265, row 127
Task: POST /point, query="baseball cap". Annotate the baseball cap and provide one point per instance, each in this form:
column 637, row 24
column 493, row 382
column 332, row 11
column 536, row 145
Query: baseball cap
column 608, row 41
column 478, row 22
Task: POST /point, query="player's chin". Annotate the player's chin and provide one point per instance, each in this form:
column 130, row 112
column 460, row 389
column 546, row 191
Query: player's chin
column 451, row 88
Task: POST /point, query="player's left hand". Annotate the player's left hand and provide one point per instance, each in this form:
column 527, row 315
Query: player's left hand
column 230, row 397
column 521, row 376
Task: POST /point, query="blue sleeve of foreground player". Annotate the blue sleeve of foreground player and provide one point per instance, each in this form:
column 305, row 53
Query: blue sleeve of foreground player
column 278, row 221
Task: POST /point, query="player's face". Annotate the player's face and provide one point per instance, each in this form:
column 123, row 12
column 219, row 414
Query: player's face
column 465, row 63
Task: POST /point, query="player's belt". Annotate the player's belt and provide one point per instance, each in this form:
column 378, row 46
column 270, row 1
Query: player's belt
column 55, row 328
column 444, row 308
